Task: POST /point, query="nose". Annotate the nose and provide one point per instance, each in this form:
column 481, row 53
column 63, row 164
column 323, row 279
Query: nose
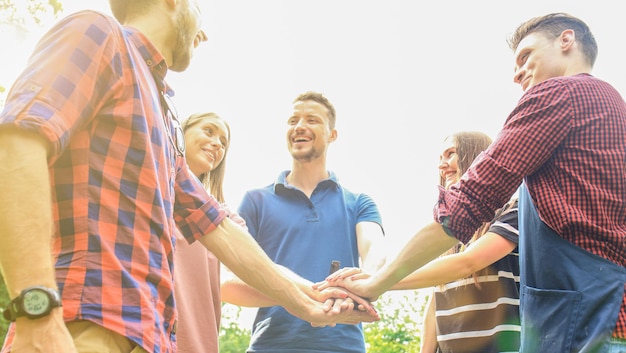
column 215, row 142
column 299, row 125
column 518, row 75
column 200, row 37
column 443, row 163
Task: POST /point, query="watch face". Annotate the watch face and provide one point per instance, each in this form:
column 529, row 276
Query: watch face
column 36, row 302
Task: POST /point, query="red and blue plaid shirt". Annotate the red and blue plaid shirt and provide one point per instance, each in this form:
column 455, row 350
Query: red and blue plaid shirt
column 92, row 90
column 566, row 139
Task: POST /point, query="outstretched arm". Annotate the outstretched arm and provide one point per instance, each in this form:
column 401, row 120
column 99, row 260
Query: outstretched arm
column 428, row 243
column 244, row 257
column 488, row 249
column 237, row 292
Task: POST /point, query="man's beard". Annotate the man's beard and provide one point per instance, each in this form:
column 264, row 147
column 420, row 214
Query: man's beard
column 306, row 156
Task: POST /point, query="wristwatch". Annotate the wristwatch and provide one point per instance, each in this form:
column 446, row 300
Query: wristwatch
column 33, row 302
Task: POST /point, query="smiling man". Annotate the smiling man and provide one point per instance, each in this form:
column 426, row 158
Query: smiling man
column 305, row 220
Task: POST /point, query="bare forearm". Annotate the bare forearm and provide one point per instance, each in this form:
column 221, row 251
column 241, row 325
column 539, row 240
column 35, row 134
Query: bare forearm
column 243, row 256
column 428, row 243
column 488, row 249
column 25, row 212
column 439, row 271
column 371, row 245
column 237, row 292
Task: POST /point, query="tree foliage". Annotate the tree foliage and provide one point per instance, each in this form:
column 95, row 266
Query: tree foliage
column 233, row 337
column 22, row 13
column 4, row 301
column 398, row 331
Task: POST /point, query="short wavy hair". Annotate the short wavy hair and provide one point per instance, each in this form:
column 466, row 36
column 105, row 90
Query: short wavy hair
column 319, row 98
column 551, row 26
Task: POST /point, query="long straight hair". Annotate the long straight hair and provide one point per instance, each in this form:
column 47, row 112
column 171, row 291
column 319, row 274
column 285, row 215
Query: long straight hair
column 469, row 145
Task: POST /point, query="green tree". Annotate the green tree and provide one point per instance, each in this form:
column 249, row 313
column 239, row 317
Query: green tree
column 19, row 17
column 233, row 338
column 23, row 13
column 4, row 300
column 398, row 330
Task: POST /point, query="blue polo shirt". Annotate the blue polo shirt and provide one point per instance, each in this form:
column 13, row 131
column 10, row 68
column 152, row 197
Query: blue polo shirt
column 305, row 235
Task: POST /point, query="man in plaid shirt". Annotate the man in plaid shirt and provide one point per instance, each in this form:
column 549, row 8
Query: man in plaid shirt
column 93, row 181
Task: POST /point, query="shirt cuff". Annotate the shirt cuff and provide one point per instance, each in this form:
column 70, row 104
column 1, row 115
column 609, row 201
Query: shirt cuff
column 444, row 223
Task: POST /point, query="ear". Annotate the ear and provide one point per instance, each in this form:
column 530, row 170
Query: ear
column 333, row 135
column 171, row 3
column 567, row 39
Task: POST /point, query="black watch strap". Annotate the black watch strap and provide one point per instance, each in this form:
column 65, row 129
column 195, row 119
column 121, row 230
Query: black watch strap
column 33, row 302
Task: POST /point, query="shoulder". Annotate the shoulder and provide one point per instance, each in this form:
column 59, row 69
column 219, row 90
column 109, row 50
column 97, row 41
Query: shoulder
column 258, row 193
column 93, row 21
column 567, row 85
column 83, row 34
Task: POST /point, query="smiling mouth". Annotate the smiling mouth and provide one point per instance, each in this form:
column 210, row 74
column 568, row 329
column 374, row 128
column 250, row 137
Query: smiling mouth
column 450, row 175
column 209, row 154
column 301, row 140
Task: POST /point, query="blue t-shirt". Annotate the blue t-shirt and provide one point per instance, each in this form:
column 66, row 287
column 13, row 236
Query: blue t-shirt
column 305, row 235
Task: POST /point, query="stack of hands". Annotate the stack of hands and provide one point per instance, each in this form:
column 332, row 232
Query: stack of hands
column 344, row 297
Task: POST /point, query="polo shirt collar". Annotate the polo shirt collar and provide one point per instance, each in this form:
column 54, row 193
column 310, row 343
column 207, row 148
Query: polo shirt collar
column 281, row 182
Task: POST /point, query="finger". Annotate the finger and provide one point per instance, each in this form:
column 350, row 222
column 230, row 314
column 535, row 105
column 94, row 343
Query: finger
column 343, row 273
column 321, row 285
column 337, row 306
column 367, row 306
column 360, row 276
column 328, row 305
column 333, row 293
column 348, row 304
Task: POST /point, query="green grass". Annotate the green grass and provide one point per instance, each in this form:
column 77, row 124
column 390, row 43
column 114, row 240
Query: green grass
column 4, row 300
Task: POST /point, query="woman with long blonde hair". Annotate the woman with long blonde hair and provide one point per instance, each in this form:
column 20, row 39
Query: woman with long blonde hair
column 197, row 271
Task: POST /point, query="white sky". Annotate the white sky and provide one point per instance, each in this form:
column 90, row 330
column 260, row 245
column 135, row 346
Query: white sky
column 402, row 74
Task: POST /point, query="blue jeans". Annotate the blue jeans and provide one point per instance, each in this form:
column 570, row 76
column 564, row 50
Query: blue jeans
column 617, row 346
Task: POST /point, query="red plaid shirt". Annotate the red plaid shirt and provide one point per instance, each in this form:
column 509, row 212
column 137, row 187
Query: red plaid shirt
column 566, row 139
column 92, row 89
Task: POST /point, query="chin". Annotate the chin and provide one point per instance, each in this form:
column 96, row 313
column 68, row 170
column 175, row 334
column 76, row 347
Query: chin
column 180, row 64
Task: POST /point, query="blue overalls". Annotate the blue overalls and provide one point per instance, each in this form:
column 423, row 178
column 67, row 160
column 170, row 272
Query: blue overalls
column 570, row 298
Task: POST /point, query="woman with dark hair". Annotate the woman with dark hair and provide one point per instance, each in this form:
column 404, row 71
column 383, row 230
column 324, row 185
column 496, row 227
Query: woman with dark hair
column 475, row 301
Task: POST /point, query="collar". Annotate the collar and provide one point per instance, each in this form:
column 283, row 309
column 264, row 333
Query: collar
column 152, row 56
column 281, row 182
